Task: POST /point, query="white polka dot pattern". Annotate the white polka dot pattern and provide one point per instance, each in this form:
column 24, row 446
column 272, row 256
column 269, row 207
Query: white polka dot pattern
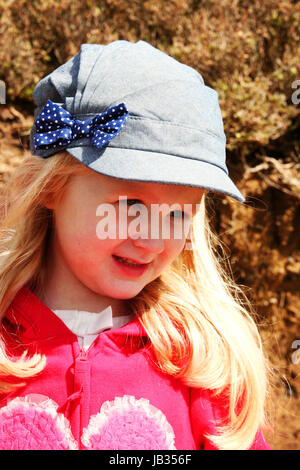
column 56, row 127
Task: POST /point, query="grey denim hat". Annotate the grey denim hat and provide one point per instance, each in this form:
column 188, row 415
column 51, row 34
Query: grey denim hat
column 168, row 127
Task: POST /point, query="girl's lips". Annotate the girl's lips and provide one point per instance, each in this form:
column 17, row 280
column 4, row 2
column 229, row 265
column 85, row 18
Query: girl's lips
column 132, row 271
column 132, row 260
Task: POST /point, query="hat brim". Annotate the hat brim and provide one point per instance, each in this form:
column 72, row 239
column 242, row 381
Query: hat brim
column 154, row 167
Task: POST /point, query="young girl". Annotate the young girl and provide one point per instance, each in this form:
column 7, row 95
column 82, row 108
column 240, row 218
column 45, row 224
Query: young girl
column 114, row 337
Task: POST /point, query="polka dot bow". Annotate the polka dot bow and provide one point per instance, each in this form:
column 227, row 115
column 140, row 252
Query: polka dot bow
column 55, row 126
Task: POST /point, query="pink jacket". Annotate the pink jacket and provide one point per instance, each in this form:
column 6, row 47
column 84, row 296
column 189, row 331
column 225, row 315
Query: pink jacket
column 109, row 397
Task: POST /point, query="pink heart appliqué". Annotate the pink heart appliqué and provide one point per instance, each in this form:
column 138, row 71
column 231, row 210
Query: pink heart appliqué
column 33, row 423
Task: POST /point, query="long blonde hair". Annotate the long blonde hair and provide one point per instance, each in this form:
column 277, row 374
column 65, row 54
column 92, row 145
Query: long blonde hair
column 193, row 311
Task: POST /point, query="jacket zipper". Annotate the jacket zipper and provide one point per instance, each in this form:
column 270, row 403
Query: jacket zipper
column 83, row 383
column 83, row 354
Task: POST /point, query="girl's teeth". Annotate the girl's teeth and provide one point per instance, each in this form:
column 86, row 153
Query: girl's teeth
column 125, row 261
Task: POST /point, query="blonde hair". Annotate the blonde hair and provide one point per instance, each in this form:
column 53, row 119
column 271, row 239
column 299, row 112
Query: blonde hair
column 199, row 321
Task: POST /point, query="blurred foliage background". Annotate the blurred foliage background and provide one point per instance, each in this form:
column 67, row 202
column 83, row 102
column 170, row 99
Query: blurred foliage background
column 247, row 51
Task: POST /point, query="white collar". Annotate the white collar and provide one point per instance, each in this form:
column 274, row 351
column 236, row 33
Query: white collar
column 83, row 323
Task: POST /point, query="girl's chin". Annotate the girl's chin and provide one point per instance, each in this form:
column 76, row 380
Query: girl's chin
column 122, row 290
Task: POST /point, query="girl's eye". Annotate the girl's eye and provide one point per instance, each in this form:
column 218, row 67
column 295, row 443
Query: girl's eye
column 131, row 202
column 180, row 215
column 174, row 214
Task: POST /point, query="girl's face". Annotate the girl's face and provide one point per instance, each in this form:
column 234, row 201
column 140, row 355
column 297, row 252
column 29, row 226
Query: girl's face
column 83, row 272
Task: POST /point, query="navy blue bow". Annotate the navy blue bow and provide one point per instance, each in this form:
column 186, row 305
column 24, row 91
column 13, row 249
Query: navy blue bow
column 56, row 127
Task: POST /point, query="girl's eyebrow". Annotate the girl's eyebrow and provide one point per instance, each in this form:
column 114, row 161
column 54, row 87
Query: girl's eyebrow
column 129, row 193
column 144, row 194
column 136, row 192
column 137, row 187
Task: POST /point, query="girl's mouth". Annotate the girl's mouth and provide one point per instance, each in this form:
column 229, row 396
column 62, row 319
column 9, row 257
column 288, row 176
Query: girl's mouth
column 129, row 267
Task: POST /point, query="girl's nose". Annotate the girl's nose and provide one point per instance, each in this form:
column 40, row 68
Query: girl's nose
column 148, row 235
column 150, row 244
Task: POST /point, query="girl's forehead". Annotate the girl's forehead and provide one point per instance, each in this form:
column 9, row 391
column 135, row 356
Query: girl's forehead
column 115, row 187
column 153, row 190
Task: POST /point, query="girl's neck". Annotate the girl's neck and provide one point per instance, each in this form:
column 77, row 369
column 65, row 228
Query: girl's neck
column 55, row 301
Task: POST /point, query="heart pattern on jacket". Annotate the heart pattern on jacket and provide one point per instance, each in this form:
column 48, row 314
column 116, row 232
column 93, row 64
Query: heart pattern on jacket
column 126, row 423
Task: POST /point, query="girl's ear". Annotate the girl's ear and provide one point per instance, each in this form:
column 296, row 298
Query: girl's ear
column 49, row 202
column 46, row 204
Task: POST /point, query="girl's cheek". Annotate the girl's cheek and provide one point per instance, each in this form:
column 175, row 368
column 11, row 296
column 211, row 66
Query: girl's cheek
column 76, row 236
